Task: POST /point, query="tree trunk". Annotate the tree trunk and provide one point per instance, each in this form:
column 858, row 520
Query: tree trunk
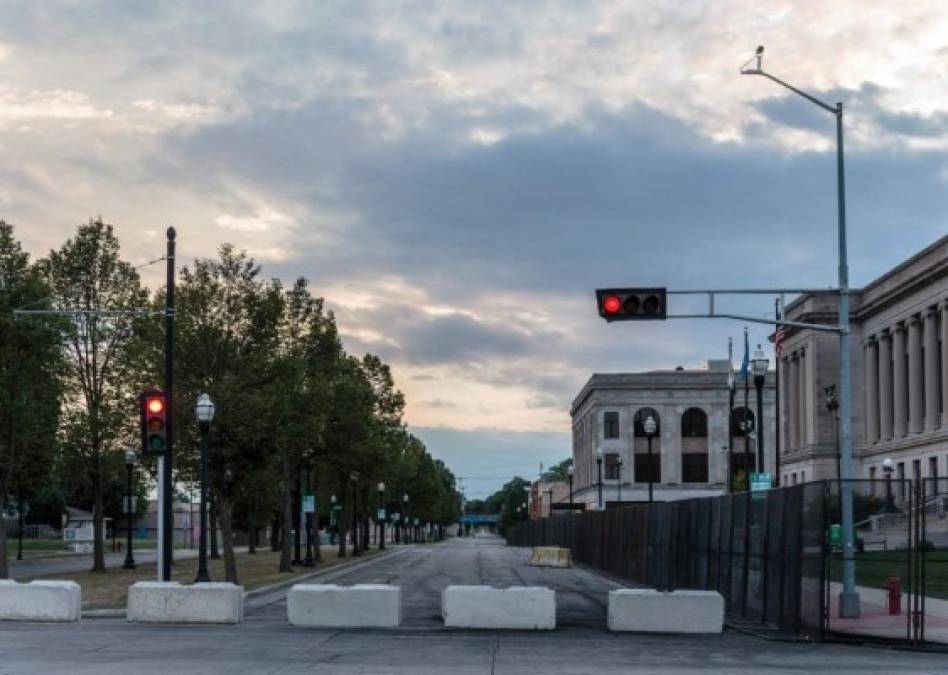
column 230, row 562
column 275, row 532
column 212, row 525
column 287, row 516
column 98, row 533
column 252, row 526
column 4, row 570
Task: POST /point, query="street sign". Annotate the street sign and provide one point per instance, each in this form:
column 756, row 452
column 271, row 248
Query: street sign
column 309, row 503
column 381, row 514
column 396, row 517
column 760, row 482
column 417, row 521
column 337, row 507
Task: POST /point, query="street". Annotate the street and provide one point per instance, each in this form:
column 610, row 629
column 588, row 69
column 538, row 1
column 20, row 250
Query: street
column 265, row 644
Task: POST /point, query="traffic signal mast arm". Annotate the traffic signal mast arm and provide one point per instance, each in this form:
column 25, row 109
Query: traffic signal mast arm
column 624, row 304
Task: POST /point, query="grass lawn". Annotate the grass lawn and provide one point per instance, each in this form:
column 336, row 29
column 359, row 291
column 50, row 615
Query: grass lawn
column 110, row 589
column 873, row 570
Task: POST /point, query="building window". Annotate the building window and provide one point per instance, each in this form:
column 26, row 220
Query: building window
column 933, row 475
column 612, row 466
column 872, row 481
column 642, row 469
column 900, row 470
column 694, row 446
column 737, row 422
column 610, row 425
column 639, row 424
column 803, row 476
column 794, row 478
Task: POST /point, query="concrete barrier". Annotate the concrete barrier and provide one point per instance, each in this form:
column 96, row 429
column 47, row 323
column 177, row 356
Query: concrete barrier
column 170, row 602
column 649, row 611
column 333, row 606
column 551, row 556
column 520, row 607
column 40, row 601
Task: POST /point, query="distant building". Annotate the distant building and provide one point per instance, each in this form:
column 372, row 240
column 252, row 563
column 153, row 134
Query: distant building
column 689, row 450
column 544, row 495
column 78, row 525
column 899, row 360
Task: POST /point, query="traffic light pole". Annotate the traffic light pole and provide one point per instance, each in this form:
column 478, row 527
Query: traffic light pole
column 167, row 490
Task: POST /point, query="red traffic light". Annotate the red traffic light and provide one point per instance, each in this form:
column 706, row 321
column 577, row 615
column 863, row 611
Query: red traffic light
column 153, row 405
column 632, row 304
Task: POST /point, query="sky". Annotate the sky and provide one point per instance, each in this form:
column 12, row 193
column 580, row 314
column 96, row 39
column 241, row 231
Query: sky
column 456, row 178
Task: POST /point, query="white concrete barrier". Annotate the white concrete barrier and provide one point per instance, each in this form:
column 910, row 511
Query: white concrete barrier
column 40, row 601
column 170, row 602
column 520, row 607
column 328, row 605
column 649, row 611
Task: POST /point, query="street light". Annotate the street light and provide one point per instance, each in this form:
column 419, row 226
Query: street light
column 381, row 516
column 354, row 477
column 130, row 459
column 832, row 404
column 569, row 472
column 887, row 468
column 204, row 411
column 599, row 467
column 406, row 530
column 650, row 428
column 619, row 467
column 759, row 365
column 848, row 598
column 526, row 515
column 309, row 560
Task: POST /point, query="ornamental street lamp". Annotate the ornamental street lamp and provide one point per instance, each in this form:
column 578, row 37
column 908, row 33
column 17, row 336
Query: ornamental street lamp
column 887, row 468
column 381, row 515
column 759, row 365
column 599, row 469
column 204, row 411
column 130, row 459
column 832, row 404
column 309, row 560
column 619, row 486
column 569, row 472
column 356, row 548
column 526, row 514
column 849, row 598
column 650, row 428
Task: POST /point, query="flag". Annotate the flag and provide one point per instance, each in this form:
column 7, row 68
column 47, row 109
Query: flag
column 745, row 364
column 730, row 364
column 778, row 342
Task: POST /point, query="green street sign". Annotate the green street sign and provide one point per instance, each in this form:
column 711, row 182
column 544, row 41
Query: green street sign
column 760, row 482
column 836, row 536
column 380, row 515
column 309, row 503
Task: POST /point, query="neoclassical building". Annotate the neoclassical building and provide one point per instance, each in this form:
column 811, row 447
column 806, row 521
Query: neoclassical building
column 899, row 361
column 689, row 448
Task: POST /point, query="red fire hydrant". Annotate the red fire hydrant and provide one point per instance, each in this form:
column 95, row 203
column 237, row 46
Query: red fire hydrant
column 894, row 584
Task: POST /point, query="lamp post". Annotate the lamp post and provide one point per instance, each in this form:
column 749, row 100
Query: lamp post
column 381, row 515
column 759, row 365
column 650, row 428
column 356, row 549
column 887, row 468
column 599, row 469
column 204, row 411
column 849, row 597
column 832, row 404
column 309, row 561
column 406, row 531
column 130, row 459
column 569, row 472
column 619, row 486
column 526, row 514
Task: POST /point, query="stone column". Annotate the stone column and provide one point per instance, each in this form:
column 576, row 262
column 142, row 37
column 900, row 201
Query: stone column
column 801, row 402
column 932, row 408
column 784, row 404
column 915, row 375
column 872, row 391
column 944, row 363
column 899, row 380
column 793, row 401
column 885, row 385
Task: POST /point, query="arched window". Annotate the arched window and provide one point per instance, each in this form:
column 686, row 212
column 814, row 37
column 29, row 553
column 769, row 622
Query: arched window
column 737, row 422
column 643, row 469
column 740, row 460
column 694, row 446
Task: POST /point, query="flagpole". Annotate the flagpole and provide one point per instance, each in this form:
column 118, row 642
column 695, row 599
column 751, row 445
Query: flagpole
column 744, row 364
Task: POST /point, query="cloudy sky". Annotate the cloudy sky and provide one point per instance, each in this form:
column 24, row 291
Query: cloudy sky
column 457, row 177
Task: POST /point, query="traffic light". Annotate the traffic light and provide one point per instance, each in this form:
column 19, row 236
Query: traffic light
column 631, row 304
column 154, row 414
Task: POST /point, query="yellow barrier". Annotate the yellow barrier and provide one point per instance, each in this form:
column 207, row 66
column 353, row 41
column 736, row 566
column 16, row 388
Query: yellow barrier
column 551, row 556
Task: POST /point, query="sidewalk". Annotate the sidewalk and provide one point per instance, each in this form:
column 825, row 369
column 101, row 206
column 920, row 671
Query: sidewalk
column 876, row 621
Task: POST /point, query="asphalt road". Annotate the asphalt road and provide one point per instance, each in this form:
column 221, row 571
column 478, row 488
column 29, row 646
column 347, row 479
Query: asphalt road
column 265, row 644
column 81, row 562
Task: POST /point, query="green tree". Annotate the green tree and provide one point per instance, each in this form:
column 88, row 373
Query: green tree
column 30, row 361
column 87, row 275
column 558, row 472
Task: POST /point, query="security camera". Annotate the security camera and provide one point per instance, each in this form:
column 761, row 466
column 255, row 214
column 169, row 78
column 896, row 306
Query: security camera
column 760, row 50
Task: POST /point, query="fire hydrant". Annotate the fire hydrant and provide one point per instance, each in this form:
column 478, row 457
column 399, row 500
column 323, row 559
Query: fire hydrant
column 894, row 584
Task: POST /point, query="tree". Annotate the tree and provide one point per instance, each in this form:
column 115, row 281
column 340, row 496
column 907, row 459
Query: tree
column 559, row 472
column 87, row 275
column 30, row 360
